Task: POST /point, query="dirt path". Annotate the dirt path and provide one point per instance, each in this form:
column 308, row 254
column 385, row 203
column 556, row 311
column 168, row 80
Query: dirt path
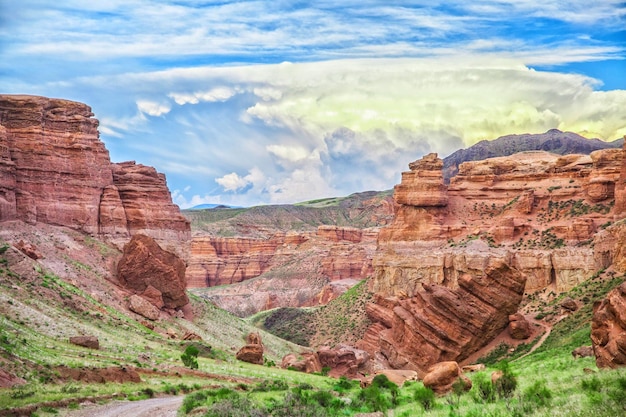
column 547, row 329
column 154, row 407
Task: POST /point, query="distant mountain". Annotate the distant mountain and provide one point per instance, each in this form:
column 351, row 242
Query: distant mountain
column 210, row 206
column 553, row 140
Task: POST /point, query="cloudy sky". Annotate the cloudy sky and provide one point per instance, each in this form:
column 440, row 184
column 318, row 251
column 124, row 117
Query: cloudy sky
column 273, row 101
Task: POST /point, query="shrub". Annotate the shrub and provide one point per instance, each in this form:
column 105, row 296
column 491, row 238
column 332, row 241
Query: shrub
column 190, row 357
column 538, row 394
column 344, row 384
column 425, row 396
column 483, row 390
column 506, row 385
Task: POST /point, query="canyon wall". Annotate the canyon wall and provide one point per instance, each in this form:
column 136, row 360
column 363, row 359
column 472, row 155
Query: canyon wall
column 248, row 275
column 55, row 170
column 458, row 258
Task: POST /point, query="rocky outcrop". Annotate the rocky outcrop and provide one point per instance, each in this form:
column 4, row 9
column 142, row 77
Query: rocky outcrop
column 252, row 351
column 90, row 342
column 289, row 270
column 608, row 329
column 441, row 376
column 519, row 327
column 340, row 361
column 441, row 324
column 145, row 267
column 54, row 169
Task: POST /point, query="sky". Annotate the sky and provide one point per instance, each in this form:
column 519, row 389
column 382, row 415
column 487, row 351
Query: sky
column 274, row 102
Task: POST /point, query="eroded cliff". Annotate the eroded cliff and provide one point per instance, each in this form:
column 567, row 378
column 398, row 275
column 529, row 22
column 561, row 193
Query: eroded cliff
column 457, row 259
column 55, row 170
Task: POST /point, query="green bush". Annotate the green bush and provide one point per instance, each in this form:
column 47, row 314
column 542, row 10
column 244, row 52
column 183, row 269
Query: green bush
column 425, row 396
column 190, row 357
column 538, row 394
column 483, row 389
column 506, row 385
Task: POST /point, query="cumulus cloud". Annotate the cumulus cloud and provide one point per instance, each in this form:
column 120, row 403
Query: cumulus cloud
column 232, row 182
column 335, row 127
column 212, row 95
column 152, row 108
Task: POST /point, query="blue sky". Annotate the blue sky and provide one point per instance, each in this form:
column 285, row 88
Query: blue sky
column 268, row 102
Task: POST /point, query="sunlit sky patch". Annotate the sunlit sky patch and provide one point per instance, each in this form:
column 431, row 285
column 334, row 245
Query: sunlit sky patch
column 259, row 102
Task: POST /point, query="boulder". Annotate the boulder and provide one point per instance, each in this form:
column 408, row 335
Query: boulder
column 582, row 352
column 90, row 342
column 519, row 327
column 608, row 329
column 441, row 376
column 144, row 264
column 569, row 304
column 252, row 352
column 143, row 307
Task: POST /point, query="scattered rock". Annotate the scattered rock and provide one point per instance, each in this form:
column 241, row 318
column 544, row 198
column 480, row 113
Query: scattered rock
column 29, row 250
column 582, row 352
column 252, row 352
column 143, row 307
column 474, row 368
column 519, row 327
column 144, row 264
column 569, row 304
column 441, row 376
column 189, row 335
column 608, row 329
column 171, row 333
column 90, row 342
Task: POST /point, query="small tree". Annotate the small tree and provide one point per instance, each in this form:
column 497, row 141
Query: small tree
column 190, row 357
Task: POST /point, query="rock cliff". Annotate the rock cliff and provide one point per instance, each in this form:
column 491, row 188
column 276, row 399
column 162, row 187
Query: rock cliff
column 285, row 270
column 55, row 170
column 457, row 258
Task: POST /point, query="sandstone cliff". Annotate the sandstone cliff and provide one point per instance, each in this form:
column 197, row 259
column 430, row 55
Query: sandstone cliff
column 458, row 258
column 55, row 170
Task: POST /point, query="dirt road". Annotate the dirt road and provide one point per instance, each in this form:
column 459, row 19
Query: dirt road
column 154, row 407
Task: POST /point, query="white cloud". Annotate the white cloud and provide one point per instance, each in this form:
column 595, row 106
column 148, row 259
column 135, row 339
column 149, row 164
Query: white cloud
column 152, row 108
column 212, row 95
column 232, row 182
column 289, row 153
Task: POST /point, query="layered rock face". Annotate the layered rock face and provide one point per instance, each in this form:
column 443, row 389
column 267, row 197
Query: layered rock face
column 543, row 208
column 608, row 329
column 457, row 259
column 289, row 270
column 55, row 170
column 442, row 324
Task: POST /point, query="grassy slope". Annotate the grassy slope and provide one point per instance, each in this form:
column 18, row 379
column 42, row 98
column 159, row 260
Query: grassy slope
column 39, row 311
column 262, row 221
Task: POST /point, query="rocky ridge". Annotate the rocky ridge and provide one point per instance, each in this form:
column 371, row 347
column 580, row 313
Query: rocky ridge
column 55, row 170
column 457, row 259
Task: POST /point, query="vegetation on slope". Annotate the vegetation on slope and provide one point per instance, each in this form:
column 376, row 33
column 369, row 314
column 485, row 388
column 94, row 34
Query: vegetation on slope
column 355, row 210
column 40, row 311
column 342, row 320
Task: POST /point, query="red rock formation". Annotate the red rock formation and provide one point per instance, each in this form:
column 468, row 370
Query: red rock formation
column 61, row 167
column 54, row 169
column 148, row 204
column 145, row 264
column 440, row 324
column 289, row 270
column 519, row 327
column 252, row 352
column 441, row 376
column 608, row 329
column 620, row 189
